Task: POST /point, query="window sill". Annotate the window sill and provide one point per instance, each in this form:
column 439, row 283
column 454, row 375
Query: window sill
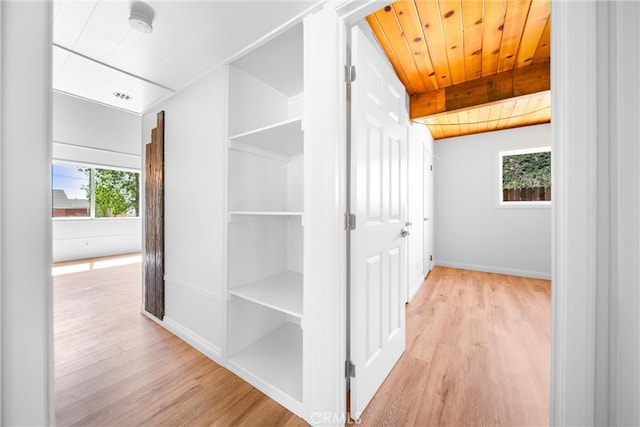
column 71, row 218
column 524, row 205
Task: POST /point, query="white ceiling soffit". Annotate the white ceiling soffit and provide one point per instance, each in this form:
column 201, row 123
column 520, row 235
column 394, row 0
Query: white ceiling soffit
column 280, row 62
column 188, row 39
column 77, row 75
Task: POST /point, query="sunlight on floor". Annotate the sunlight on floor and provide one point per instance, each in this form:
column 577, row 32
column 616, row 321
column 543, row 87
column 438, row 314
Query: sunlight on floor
column 94, row 265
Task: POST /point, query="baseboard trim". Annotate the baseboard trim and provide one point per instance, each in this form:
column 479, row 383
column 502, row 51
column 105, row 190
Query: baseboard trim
column 494, row 269
column 205, row 347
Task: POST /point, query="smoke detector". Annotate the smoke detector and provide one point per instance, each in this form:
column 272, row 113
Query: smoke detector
column 141, row 17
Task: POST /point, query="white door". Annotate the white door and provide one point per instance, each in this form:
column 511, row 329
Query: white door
column 428, row 211
column 379, row 121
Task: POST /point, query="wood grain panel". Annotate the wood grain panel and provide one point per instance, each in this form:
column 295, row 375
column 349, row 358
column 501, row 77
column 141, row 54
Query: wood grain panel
column 378, row 31
column 453, row 55
column 472, row 23
column 451, row 16
column 534, row 27
column 429, row 14
column 522, row 81
column 414, row 35
column 514, row 112
column 514, row 21
column 543, row 51
column 492, row 35
column 154, row 221
column 395, row 34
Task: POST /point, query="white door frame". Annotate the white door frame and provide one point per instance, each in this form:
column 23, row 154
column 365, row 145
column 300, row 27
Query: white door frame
column 574, row 113
column 595, row 373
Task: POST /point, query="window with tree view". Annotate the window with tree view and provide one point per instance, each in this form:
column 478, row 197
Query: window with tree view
column 79, row 191
column 525, row 176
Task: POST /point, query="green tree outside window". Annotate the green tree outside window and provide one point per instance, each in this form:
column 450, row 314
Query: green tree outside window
column 117, row 193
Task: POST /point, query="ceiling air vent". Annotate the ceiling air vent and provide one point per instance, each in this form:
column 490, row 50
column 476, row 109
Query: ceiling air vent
column 121, row 95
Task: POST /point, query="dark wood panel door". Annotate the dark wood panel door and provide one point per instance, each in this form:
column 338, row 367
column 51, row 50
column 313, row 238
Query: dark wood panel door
column 154, row 222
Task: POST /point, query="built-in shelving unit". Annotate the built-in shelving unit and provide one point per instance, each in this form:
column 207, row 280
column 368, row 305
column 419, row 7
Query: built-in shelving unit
column 275, row 360
column 233, row 215
column 284, row 138
column 282, row 292
column 265, row 211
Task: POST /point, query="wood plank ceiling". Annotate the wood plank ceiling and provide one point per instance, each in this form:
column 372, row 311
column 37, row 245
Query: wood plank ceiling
column 470, row 66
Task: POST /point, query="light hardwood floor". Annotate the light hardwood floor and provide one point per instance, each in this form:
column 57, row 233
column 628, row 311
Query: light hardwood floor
column 115, row 367
column 478, row 347
column 477, row 354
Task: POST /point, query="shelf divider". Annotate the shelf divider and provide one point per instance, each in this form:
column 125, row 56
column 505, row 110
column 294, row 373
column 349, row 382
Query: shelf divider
column 285, row 138
column 275, row 360
column 282, row 292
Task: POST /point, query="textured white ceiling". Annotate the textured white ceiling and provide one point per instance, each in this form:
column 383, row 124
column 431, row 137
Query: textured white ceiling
column 96, row 52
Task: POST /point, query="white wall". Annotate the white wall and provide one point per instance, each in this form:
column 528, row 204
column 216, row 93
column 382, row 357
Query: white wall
column 194, row 153
column 418, row 135
column 428, row 189
column 25, row 210
column 90, row 133
column 472, row 232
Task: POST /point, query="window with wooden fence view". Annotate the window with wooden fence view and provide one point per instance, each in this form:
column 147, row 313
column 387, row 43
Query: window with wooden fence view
column 526, row 176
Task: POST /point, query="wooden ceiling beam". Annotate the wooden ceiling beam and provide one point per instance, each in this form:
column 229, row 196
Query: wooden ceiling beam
column 509, row 84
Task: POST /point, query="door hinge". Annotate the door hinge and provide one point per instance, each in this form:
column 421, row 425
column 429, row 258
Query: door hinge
column 431, row 168
column 430, row 257
column 349, row 221
column 349, row 369
column 349, row 74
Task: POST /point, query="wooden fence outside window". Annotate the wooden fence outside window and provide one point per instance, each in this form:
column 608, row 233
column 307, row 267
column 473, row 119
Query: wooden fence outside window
column 535, row 194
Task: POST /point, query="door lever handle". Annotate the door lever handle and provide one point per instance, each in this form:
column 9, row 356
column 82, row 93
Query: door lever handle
column 405, row 231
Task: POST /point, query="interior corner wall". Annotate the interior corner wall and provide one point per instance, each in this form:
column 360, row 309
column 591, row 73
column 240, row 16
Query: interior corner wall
column 195, row 200
column 86, row 132
column 472, row 232
column 418, row 135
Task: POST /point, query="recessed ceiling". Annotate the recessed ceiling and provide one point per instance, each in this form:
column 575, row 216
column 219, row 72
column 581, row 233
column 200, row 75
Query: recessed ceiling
column 470, row 65
column 97, row 52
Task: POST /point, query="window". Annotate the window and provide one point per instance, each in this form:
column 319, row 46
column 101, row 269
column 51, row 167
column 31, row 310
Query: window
column 69, row 194
column 117, row 193
column 79, row 191
column 525, row 177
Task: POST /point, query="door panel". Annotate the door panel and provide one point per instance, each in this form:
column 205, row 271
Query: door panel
column 379, row 121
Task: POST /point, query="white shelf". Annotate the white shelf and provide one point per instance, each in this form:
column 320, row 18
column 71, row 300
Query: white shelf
column 282, row 292
column 275, row 360
column 267, row 213
column 284, row 138
column 235, row 215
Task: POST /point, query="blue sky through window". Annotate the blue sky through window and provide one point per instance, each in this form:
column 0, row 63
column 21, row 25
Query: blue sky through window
column 70, row 179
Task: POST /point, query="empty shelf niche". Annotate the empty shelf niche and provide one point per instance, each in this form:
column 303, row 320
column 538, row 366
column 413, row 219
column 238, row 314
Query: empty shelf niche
column 284, row 139
column 275, row 360
column 282, row 292
column 260, row 185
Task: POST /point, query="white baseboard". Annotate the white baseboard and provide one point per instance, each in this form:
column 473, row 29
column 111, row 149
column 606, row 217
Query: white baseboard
column 494, row 269
column 204, row 346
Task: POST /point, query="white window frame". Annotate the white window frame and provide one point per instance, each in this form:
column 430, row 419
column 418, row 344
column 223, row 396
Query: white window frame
column 499, row 196
column 92, row 206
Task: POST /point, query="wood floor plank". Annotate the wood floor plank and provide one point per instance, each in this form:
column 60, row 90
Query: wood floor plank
column 115, row 367
column 477, row 354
